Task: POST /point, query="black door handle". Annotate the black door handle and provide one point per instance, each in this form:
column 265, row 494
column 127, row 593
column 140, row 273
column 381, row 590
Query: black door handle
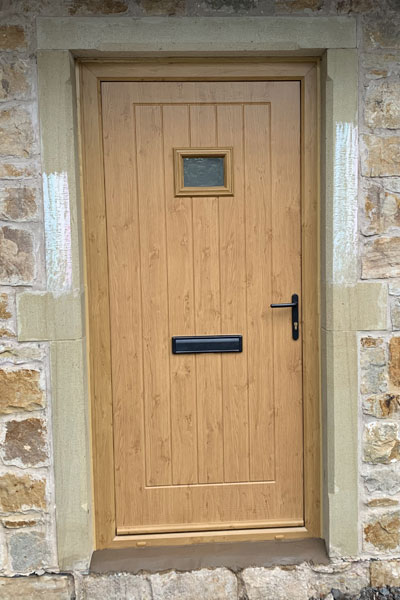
column 294, row 305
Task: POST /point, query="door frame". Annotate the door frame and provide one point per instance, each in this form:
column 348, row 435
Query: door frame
column 92, row 74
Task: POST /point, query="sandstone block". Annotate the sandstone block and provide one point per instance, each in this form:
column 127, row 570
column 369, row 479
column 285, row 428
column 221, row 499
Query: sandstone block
column 13, row 78
column 206, row 584
column 17, row 263
column 385, row 480
column 382, row 33
column 385, row 573
column 345, row 7
column 25, row 442
column 381, row 443
column 381, row 210
column 394, row 362
column 11, row 171
column 291, row 6
column 372, row 366
column 19, row 353
column 28, row 551
column 20, row 390
column 12, row 37
column 382, row 107
column 46, row 587
column 93, row 7
column 381, row 258
column 383, row 532
column 20, row 521
column 5, row 306
column 380, row 502
column 166, row 7
column 21, row 492
column 382, row 406
column 113, row 587
column 6, row 333
column 381, row 156
column 18, row 204
column 395, row 313
column 378, row 66
column 279, row 584
column 16, row 132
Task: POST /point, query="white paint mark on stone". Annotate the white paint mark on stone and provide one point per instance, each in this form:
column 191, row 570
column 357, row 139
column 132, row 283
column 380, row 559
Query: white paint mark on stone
column 345, row 204
column 58, row 232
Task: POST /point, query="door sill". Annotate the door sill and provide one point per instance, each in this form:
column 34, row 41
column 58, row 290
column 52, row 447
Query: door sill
column 234, row 555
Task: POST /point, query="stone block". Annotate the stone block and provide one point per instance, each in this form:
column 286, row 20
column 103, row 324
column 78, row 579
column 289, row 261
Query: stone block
column 22, row 520
column 25, row 442
column 6, row 333
column 169, row 7
column 18, row 203
column 17, row 262
column 381, row 258
column 380, row 156
column 21, row 492
column 378, row 66
column 382, row 33
column 394, row 362
column 16, row 132
column 12, row 37
column 18, row 353
column 385, row 573
column 28, row 551
column 46, row 587
column 382, row 406
column 20, row 390
column 384, row 480
column 372, row 366
column 349, row 7
column 11, row 171
column 382, row 105
column 14, row 78
column 395, row 313
column 113, row 587
column 381, row 443
column 97, row 7
column 348, row 577
column 279, row 584
column 5, row 306
column 215, row 584
column 381, row 502
column 381, row 210
column 293, row 6
column 383, row 532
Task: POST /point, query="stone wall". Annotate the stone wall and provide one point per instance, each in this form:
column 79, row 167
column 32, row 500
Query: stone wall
column 27, row 530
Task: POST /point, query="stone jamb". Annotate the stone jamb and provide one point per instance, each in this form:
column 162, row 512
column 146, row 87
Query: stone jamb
column 58, row 314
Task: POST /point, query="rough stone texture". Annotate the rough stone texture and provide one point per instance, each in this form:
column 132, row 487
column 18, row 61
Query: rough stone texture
column 382, row 156
column 382, row 406
column 381, row 258
column 394, row 362
column 19, row 492
column 381, row 210
column 385, row 573
column 347, row 577
column 12, row 37
column 384, row 532
column 28, row 551
column 18, row 204
column 25, row 441
column 24, row 520
column 17, row 262
column 382, row 108
column 12, row 171
column 279, row 584
column 16, row 132
column 5, row 306
column 47, row 587
column 378, row 66
column 20, row 390
column 206, row 584
column 18, row 353
column 13, row 78
column 293, row 6
column 382, row 33
column 385, row 480
column 380, row 502
column 110, row 587
column 373, row 366
column 381, row 443
column 395, row 313
column 93, row 7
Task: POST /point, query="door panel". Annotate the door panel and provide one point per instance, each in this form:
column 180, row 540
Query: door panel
column 209, row 441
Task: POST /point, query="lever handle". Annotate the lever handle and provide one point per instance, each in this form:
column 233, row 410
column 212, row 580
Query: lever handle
column 294, row 305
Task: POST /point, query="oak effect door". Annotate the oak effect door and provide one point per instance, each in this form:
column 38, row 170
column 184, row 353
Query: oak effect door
column 202, row 184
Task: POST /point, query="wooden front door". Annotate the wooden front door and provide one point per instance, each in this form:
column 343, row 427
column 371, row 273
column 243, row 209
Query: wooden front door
column 213, row 441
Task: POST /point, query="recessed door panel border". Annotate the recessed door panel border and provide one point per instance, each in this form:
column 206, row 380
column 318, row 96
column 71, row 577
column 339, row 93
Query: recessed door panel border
column 91, row 76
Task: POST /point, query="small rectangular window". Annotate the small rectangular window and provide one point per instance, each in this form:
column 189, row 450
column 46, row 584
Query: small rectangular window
column 203, row 171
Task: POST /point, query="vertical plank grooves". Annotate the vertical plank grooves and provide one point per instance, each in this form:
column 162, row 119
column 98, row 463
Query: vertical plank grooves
column 145, row 454
column 246, row 287
column 271, row 205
